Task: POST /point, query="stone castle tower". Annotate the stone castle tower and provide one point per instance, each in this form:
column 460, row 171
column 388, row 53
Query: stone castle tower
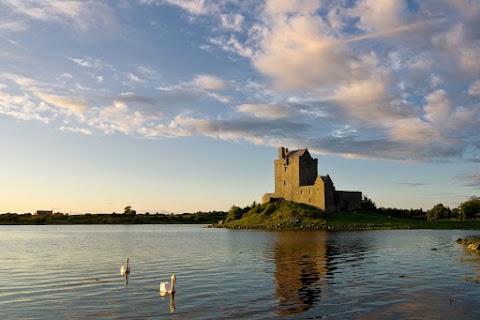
column 297, row 179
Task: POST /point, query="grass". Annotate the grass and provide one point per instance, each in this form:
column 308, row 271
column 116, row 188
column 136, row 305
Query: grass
column 283, row 214
column 186, row 218
column 290, row 215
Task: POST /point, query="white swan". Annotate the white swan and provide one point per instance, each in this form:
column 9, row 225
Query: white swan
column 166, row 287
column 125, row 269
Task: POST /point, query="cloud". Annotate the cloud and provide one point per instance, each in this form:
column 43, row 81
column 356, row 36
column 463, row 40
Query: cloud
column 118, row 118
column 76, row 130
column 199, row 87
column 474, row 89
column 469, row 179
column 63, row 102
column 92, row 63
column 81, row 15
column 382, row 80
column 12, row 26
column 263, row 111
column 194, row 7
column 131, row 97
column 437, row 108
column 413, row 131
column 134, row 78
column 346, row 131
column 379, row 15
column 21, row 108
column 208, row 82
column 232, row 21
column 411, row 184
column 462, row 46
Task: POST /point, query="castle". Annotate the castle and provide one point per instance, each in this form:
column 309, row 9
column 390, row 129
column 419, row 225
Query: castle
column 297, row 179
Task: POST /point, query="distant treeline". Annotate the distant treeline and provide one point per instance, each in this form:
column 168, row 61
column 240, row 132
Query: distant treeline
column 466, row 210
column 159, row 218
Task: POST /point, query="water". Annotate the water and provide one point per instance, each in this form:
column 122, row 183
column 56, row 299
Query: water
column 72, row 272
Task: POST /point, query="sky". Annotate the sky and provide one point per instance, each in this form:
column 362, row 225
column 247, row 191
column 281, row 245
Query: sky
column 180, row 106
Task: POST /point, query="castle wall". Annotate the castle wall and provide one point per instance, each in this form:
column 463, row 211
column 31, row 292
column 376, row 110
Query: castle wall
column 286, row 177
column 348, row 200
column 308, row 170
column 296, row 179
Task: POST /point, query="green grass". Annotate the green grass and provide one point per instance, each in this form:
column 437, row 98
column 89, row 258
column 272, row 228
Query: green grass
column 283, row 214
column 186, row 218
column 290, row 215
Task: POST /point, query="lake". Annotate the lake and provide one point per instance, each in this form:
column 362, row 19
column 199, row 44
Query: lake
column 72, row 272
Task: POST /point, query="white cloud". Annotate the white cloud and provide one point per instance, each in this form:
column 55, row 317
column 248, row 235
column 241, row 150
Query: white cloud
column 66, row 75
column 263, row 111
column 344, row 132
column 118, row 118
column 379, row 15
column 474, row 89
column 232, row 21
column 62, row 102
column 199, row 86
column 208, row 82
column 12, row 26
column 194, row 7
column 76, row 130
column 437, row 108
column 232, row 45
column 413, row 131
column 82, row 15
column 462, row 46
column 21, row 108
column 132, row 77
column 93, row 63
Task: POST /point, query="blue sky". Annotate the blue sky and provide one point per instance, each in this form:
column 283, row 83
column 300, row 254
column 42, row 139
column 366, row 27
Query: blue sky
column 180, row 106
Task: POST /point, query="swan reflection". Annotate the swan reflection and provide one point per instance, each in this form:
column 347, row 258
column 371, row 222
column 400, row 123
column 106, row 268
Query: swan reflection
column 172, row 299
column 125, row 271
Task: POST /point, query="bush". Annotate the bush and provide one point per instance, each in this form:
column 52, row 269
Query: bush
column 439, row 211
column 470, row 208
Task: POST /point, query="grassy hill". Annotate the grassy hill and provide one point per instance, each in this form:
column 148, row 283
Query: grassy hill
column 291, row 215
column 283, row 214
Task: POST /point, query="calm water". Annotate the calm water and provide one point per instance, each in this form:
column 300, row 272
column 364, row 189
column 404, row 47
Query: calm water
column 73, row 272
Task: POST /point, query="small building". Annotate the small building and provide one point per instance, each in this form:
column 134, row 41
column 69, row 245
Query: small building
column 297, row 179
column 43, row 212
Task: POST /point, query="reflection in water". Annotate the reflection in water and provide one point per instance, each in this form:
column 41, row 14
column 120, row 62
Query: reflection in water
column 301, row 264
column 172, row 300
column 305, row 263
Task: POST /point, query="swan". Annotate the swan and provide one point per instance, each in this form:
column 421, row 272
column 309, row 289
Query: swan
column 166, row 287
column 125, row 269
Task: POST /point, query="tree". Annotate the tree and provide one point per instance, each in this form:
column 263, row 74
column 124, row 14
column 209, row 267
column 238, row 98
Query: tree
column 368, row 204
column 470, row 208
column 128, row 210
column 439, row 211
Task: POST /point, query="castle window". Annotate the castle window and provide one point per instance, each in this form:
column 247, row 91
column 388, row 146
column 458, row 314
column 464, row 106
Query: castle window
column 309, row 199
column 285, row 169
column 301, row 192
column 283, row 182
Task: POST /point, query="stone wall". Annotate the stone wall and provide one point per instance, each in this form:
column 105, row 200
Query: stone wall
column 296, row 179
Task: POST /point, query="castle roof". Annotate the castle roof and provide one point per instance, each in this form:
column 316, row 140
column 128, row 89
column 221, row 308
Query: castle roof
column 295, row 153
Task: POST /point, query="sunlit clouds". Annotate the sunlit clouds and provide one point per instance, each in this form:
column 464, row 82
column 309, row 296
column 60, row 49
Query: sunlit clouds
column 388, row 80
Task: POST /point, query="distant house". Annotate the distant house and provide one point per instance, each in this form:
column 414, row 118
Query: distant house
column 297, row 179
column 43, row 212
